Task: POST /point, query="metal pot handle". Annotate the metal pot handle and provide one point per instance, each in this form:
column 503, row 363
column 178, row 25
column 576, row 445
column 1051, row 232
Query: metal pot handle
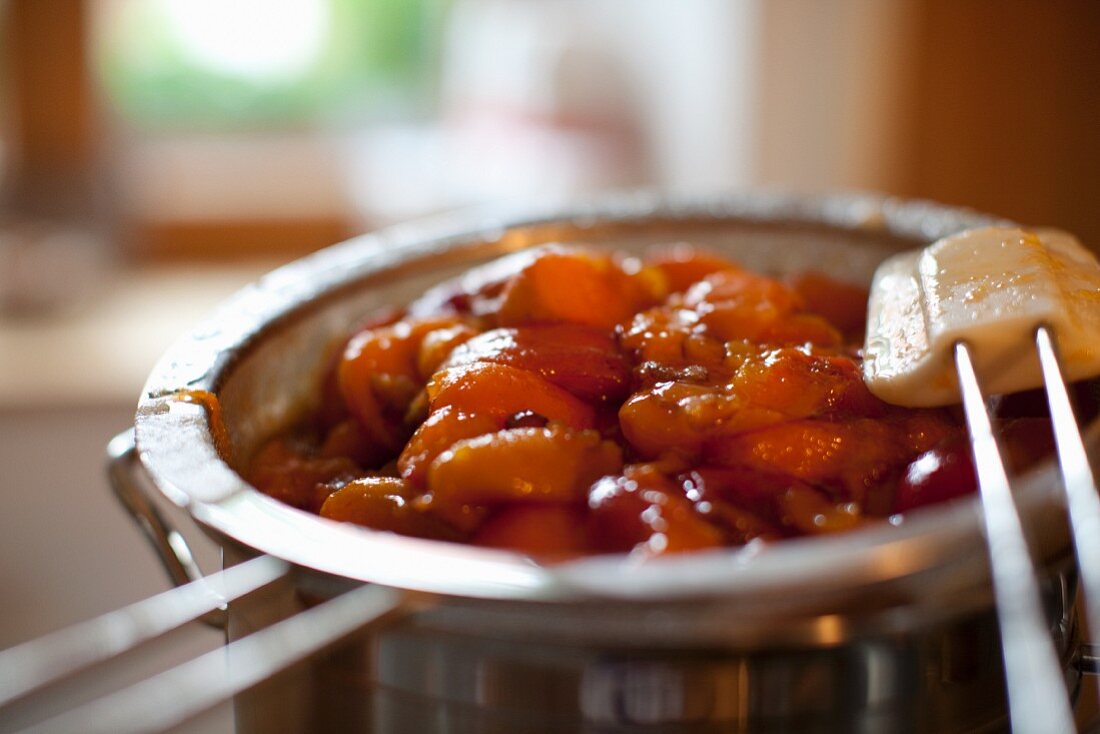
column 1088, row 659
column 1088, row 664
column 168, row 543
column 39, row 679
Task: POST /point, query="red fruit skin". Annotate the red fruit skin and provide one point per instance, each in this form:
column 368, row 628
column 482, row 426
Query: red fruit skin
column 937, row 475
column 627, row 512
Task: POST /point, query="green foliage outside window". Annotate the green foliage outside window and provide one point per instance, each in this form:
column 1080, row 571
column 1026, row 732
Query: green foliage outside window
column 371, row 60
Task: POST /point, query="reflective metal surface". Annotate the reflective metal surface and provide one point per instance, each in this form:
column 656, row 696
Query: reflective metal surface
column 263, row 354
column 886, row 629
column 420, row 674
column 1036, row 693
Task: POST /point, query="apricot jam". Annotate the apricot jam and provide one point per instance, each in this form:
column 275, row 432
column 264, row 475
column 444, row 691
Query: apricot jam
column 564, row 401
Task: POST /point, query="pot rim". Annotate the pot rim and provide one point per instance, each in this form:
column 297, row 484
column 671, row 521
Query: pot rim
column 176, row 446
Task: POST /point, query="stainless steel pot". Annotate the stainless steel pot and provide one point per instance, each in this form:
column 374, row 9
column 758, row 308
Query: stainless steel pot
column 889, row 629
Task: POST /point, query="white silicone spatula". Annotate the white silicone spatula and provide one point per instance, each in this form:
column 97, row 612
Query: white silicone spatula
column 1022, row 309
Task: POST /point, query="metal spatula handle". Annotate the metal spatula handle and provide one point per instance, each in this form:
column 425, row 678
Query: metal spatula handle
column 1082, row 497
column 1037, row 697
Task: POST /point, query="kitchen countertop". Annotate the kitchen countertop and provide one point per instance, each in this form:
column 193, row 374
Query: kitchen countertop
column 69, row 380
column 100, row 350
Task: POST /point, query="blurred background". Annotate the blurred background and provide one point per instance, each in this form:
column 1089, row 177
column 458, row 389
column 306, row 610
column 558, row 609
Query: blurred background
column 157, row 154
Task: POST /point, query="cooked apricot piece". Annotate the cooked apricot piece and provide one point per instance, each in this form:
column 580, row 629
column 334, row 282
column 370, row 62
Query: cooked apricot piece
column 437, row 346
column 683, row 265
column 738, row 305
column 383, row 503
column 740, row 485
column 852, row 455
column 680, row 417
column 768, row 387
column 790, row 382
column 552, row 464
column 545, row 531
column 349, row 439
column 802, row 328
column 585, row 361
column 926, row 429
column 501, row 391
column 842, row 304
column 378, row 376
column 646, row 512
column 477, row 291
column 743, row 287
column 739, row 525
column 287, row 472
column 812, row 513
column 443, row 428
column 800, row 384
column 671, row 337
column 574, row 287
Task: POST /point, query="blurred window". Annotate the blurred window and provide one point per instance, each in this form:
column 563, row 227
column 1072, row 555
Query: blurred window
column 217, row 65
column 228, row 115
